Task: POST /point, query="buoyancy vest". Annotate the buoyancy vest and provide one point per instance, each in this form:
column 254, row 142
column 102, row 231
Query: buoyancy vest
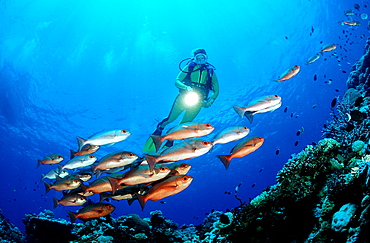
column 200, row 77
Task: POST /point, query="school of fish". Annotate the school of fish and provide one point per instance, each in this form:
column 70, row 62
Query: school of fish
column 154, row 176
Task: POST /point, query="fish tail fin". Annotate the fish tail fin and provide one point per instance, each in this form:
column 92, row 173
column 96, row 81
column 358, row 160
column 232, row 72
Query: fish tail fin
column 130, row 201
column 157, row 140
column 60, row 168
column 142, row 200
column 152, row 161
column 103, row 197
column 56, row 202
column 225, row 159
column 72, row 153
column 249, row 115
column 42, row 177
column 38, row 163
column 84, row 187
column 114, row 182
column 47, row 187
column 72, row 215
column 98, row 173
column 81, row 143
column 239, row 110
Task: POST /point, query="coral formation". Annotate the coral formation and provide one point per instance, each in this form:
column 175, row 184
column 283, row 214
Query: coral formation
column 9, row 233
column 343, row 217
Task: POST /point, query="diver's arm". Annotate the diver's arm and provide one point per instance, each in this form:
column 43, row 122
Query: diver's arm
column 180, row 77
column 215, row 87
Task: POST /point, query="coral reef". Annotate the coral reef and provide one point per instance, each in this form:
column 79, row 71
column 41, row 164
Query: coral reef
column 9, row 233
column 45, row 228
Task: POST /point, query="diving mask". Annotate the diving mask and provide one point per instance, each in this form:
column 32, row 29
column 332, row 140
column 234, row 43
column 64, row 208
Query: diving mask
column 200, row 58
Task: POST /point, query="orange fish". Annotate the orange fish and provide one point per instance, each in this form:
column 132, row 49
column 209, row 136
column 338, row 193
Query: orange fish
column 70, row 200
column 115, row 160
column 183, row 131
column 243, row 148
column 83, row 176
column 101, row 185
column 328, row 47
column 86, row 149
column 50, row 159
column 66, row 183
column 169, row 187
column 95, row 210
column 350, row 23
column 139, row 175
column 180, row 151
column 288, row 74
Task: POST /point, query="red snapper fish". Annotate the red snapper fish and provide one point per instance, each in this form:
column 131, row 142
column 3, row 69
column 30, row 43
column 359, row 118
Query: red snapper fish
column 260, row 105
column 350, row 23
column 183, row 131
column 138, row 175
column 243, row 148
column 166, row 188
column 328, row 47
column 50, row 159
column 95, row 210
column 289, row 73
column 70, row 200
column 180, row 151
column 104, row 138
column 86, row 149
column 66, row 183
column 114, row 160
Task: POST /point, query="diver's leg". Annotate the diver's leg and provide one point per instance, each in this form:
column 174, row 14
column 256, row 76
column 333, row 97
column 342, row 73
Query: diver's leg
column 190, row 114
column 176, row 110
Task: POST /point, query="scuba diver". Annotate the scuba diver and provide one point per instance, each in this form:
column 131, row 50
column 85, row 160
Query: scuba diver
column 198, row 87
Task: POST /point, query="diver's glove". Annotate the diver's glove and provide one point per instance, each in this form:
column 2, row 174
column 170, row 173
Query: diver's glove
column 208, row 102
column 188, row 88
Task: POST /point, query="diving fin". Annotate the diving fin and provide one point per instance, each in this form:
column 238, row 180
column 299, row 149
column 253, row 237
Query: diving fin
column 149, row 146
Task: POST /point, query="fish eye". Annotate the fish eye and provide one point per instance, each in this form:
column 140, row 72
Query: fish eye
column 245, row 128
column 75, row 181
column 124, row 131
column 162, row 169
column 205, row 143
column 276, row 96
column 131, row 154
column 59, row 157
column 91, row 156
column 208, row 125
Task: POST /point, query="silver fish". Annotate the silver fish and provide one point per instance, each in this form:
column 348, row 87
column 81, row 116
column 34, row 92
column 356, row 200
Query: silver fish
column 79, row 162
column 104, row 138
column 231, row 134
column 260, row 105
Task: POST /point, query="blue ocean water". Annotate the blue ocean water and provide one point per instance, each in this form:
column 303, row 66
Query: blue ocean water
column 75, row 68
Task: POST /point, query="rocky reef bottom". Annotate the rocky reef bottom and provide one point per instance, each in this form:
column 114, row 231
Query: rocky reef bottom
column 130, row 228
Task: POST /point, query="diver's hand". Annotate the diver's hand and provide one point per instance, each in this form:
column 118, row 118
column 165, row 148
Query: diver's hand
column 208, row 103
column 188, row 88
